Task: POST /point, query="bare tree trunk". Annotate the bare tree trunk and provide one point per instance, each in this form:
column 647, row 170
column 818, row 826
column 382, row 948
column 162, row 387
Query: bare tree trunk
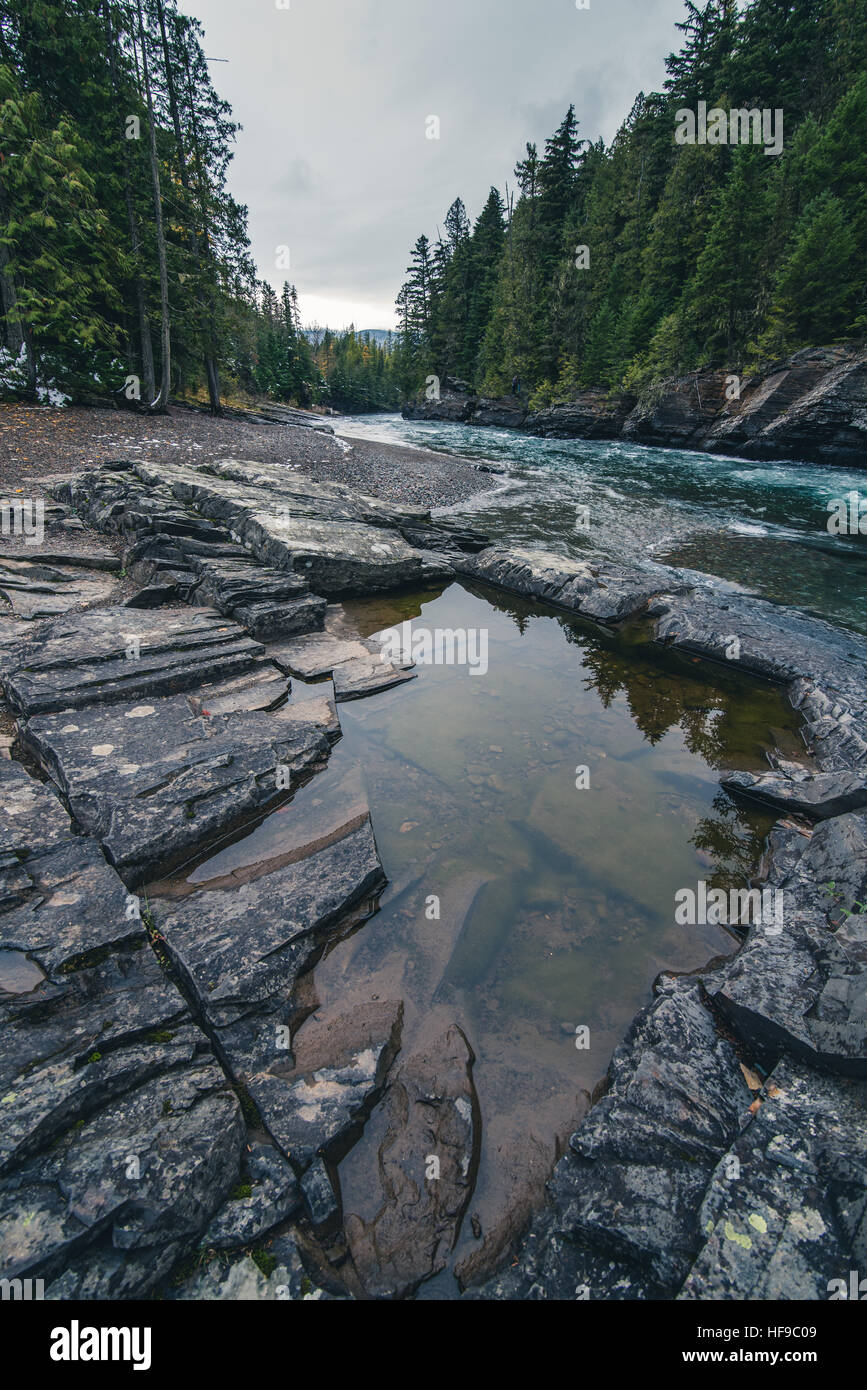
column 18, row 334
column 160, row 403
column 144, row 327
column 210, row 363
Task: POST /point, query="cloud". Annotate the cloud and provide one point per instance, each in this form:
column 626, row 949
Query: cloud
column 344, row 88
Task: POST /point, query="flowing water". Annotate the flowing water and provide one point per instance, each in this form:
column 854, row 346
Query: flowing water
column 761, row 525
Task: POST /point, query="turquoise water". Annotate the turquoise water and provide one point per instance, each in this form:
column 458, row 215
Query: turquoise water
column 761, row 525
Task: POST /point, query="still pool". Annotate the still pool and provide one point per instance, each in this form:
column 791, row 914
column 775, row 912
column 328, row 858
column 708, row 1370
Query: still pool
column 519, row 905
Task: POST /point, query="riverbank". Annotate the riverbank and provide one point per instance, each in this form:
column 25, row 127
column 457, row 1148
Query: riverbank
column 36, row 441
column 188, row 1034
column 810, row 406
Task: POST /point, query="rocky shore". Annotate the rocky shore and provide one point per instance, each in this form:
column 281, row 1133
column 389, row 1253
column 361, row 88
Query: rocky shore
column 174, row 1110
column 810, row 406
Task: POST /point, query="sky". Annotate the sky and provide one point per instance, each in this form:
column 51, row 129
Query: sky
column 335, row 97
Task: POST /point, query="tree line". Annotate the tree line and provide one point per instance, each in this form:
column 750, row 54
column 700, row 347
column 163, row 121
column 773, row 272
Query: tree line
column 124, row 260
column 619, row 266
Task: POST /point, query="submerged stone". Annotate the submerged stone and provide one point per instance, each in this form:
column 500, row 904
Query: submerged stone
column 428, row 1160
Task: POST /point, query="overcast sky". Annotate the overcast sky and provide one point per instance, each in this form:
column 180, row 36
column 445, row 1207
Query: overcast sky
column 334, row 97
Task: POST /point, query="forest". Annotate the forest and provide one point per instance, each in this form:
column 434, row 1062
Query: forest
column 624, row 265
column 125, row 269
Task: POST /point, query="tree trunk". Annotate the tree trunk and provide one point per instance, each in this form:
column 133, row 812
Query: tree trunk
column 211, row 371
column 144, row 327
column 160, row 403
column 17, row 335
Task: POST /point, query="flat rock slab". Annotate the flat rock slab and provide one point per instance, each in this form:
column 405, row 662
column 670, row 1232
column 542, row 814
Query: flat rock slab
column 356, row 668
column 35, row 589
column 784, row 1216
column 96, row 557
column 152, row 781
column 801, row 985
column 74, row 905
column 31, row 816
column 262, row 688
column 597, row 589
column 433, row 1126
column 115, row 654
column 241, row 952
column 108, row 1210
column 267, row 1195
column 340, row 1066
column 820, row 797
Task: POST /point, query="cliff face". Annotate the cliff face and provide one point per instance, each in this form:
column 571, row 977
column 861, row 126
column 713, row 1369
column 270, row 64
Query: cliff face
column 812, row 406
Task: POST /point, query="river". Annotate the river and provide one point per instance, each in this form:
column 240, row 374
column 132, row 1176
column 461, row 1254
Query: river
column 760, row 525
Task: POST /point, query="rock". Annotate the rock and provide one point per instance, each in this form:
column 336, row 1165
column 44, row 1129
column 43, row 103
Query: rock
column 31, row 816
column 73, row 905
column 596, row 414
column 337, row 541
column 96, row 557
column 274, row 1196
column 241, row 1280
column 432, row 1120
column 812, row 405
column 802, row 986
column 625, row 1198
column 154, row 781
column 597, row 589
column 784, row 1215
column 679, row 413
column 141, row 1177
column 340, row 1066
column 244, row 951
column 357, row 669
column 508, row 413
column 323, row 1204
column 820, row 797
column 263, row 688
column 82, row 659
column 35, row 589
column 268, row 603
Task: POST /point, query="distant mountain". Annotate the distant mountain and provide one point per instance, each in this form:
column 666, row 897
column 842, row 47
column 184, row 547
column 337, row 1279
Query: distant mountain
column 380, row 336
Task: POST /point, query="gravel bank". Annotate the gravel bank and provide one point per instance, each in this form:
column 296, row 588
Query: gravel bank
column 37, row 440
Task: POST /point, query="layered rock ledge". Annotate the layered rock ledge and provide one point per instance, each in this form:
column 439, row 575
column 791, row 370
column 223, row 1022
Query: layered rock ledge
column 811, row 406
column 174, row 1109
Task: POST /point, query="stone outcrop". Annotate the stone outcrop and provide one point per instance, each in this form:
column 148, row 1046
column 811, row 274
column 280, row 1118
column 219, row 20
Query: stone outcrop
column 168, row 1090
column 812, row 406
